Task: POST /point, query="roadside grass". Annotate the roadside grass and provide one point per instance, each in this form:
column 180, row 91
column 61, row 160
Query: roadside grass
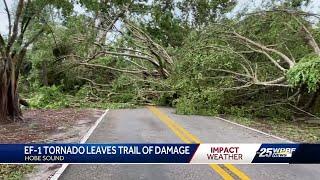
column 13, row 172
column 297, row 131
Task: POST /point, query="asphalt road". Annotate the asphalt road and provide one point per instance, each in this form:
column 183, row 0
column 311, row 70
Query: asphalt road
column 154, row 125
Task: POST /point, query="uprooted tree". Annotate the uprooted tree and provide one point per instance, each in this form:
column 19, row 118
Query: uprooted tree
column 140, row 47
column 117, row 45
column 264, row 64
column 274, row 62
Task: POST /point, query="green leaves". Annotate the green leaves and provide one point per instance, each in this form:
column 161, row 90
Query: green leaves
column 207, row 102
column 38, row 6
column 15, row 171
column 203, row 12
column 306, row 71
column 49, row 98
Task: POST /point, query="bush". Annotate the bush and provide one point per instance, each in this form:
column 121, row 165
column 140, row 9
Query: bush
column 49, row 98
column 239, row 112
column 208, row 102
column 13, row 171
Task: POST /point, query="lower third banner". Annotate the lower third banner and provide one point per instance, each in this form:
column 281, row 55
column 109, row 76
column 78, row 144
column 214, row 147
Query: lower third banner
column 160, row 153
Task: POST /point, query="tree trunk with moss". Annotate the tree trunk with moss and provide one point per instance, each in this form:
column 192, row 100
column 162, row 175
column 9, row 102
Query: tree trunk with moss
column 9, row 104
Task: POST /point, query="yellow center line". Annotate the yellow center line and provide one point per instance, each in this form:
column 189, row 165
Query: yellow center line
column 181, row 133
column 221, row 171
column 175, row 127
column 236, row 171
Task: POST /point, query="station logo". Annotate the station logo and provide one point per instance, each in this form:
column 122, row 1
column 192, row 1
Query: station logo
column 275, row 152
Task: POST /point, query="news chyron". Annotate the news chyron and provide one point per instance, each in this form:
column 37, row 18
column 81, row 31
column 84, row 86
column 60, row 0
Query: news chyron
column 160, row 153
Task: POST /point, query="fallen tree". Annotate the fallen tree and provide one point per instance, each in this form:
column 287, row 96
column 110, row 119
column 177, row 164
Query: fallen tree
column 263, row 64
column 287, row 71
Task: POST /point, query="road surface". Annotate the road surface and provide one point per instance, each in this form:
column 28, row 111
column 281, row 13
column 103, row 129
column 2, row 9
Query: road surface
column 162, row 125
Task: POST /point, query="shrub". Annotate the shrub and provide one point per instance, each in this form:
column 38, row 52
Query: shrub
column 208, row 102
column 49, row 98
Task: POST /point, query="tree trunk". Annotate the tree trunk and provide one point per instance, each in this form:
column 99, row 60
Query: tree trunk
column 9, row 103
column 316, row 103
column 44, row 74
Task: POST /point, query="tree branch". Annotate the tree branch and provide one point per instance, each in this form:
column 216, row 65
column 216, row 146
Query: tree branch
column 309, row 37
column 227, row 49
column 111, row 68
column 263, row 47
column 131, row 55
column 288, row 11
column 166, row 57
column 270, row 58
column 34, row 38
column 274, row 82
column 232, row 72
column 23, row 29
column 238, row 87
column 9, row 16
column 94, row 83
column 303, row 111
column 15, row 25
column 134, row 50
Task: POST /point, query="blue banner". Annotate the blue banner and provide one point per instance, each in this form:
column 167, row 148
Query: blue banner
column 97, row 153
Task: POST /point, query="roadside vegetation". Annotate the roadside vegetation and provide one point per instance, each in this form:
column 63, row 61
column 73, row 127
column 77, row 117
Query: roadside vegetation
column 261, row 63
column 8, row 171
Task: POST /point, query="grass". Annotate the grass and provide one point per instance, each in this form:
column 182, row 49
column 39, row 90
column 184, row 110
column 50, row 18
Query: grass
column 297, row 131
column 14, row 171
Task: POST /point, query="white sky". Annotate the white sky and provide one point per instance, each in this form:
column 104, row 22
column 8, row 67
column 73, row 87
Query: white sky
column 313, row 7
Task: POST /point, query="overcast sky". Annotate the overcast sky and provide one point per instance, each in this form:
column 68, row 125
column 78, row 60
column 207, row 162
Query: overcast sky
column 314, row 7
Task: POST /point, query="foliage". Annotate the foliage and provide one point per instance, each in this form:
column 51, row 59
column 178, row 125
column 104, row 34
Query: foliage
column 306, row 71
column 49, row 98
column 204, row 12
column 14, row 171
column 204, row 54
column 208, row 102
column 49, row 56
column 54, row 98
column 84, row 99
column 171, row 29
